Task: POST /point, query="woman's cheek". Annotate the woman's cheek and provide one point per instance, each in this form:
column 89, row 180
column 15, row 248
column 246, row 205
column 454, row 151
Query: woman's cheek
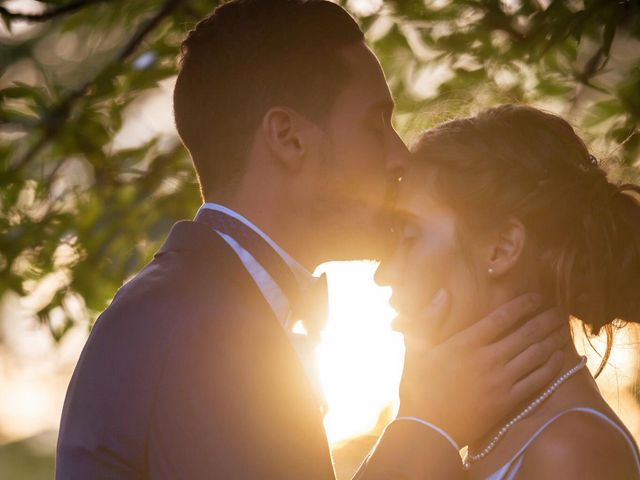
column 464, row 295
column 429, row 268
column 443, row 266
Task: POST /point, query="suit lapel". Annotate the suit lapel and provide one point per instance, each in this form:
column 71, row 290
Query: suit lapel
column 268, row 400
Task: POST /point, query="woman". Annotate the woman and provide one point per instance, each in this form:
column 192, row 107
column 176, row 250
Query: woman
column 511, row 201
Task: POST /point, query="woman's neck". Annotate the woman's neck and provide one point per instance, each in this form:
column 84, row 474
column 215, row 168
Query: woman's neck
column 571, row 359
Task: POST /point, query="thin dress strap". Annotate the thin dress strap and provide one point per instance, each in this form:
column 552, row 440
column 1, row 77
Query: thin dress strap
column 510, row 469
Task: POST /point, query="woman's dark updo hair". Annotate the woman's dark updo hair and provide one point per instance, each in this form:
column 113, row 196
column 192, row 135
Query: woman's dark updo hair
column 516, row 161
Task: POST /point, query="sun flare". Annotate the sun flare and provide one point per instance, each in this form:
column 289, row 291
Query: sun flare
column 360, row 358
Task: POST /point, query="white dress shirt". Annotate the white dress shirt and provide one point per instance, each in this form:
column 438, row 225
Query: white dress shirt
column 275, row 296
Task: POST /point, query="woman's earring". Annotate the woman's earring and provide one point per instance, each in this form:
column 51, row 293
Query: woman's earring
column 490, row 271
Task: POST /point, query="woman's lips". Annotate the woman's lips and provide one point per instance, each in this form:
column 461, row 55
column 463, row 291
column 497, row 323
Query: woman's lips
column 410, row 319
column 404, row 322
column 399, row 303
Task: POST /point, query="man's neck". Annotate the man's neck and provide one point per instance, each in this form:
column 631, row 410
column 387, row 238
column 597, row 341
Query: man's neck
column 279, row 229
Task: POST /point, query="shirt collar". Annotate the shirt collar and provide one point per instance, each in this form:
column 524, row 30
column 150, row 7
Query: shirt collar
column 303, row 275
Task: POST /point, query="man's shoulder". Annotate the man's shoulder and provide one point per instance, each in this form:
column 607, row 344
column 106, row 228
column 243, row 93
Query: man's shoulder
column 185, row 277
column 184, row 289
column 183, row 300
column 176, row 309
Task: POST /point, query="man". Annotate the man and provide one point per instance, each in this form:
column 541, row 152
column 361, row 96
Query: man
column 193, row 370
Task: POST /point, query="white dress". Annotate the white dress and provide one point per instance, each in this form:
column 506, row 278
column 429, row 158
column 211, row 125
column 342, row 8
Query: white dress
column 509, row 471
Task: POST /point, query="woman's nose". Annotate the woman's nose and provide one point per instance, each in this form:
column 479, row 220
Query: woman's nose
column 385, row 275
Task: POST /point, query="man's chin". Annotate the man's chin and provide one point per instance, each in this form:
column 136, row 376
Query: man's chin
column 366, row 251
column 358, row 236
column 348, row 255
column 365, row 244
column 378, row 245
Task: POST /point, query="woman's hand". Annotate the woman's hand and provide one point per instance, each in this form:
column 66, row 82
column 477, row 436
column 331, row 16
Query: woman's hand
column 472, row 380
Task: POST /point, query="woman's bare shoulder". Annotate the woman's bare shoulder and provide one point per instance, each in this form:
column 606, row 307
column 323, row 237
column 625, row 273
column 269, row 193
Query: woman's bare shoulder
column 580, row 445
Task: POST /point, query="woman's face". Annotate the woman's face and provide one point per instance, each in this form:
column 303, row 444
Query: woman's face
column 430, row 255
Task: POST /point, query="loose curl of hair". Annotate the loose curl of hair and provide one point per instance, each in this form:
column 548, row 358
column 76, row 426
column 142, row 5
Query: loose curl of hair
column 515, row 161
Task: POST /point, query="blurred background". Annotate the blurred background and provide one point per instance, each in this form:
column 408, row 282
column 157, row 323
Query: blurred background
column 92, row 176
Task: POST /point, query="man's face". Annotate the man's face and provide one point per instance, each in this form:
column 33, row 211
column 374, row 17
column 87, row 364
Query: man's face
column 363, row 159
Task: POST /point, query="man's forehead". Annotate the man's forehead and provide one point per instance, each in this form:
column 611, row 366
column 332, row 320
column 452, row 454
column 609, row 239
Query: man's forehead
column 366, row 73
column 360, row 55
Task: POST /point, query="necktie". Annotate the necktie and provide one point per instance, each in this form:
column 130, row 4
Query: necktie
column 309, row 304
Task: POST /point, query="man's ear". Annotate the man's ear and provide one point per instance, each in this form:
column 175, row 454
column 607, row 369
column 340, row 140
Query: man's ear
column 506, row 247
column 285, row 133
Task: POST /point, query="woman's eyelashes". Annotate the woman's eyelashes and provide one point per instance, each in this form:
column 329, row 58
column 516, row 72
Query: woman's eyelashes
column 407, row 233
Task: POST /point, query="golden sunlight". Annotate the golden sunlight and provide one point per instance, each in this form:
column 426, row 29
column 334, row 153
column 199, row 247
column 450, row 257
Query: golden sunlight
column 360, row 357
column 360, row 362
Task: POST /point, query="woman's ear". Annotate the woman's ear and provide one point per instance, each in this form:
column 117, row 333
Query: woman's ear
column 506, row 247
column 284, row 132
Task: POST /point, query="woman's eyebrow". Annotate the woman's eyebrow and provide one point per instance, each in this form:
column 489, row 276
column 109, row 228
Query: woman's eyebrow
column 403, row 214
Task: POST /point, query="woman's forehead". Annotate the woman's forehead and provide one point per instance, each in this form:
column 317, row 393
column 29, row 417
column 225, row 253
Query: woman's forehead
column 416, row 192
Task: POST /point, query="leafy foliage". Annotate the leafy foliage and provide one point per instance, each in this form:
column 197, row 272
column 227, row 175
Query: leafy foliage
column 79, row 214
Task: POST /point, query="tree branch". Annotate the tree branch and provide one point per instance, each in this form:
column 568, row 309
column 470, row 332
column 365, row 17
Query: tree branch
column 47, row 14
column 55, row 119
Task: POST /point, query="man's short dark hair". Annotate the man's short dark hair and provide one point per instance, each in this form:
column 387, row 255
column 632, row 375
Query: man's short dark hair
column 245, row 58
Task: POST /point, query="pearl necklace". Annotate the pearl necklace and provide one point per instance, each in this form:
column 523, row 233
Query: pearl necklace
column 471, row 457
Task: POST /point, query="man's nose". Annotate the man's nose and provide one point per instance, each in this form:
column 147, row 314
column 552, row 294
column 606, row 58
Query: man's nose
column 398, row 156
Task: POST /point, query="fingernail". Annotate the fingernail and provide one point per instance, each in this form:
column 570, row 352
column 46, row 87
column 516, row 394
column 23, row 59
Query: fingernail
column 439, row 297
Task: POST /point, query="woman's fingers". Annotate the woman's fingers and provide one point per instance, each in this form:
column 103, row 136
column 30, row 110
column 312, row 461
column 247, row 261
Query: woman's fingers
column 500, row 321
column 535, row 381
column 536, row 355
column 530, row 335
